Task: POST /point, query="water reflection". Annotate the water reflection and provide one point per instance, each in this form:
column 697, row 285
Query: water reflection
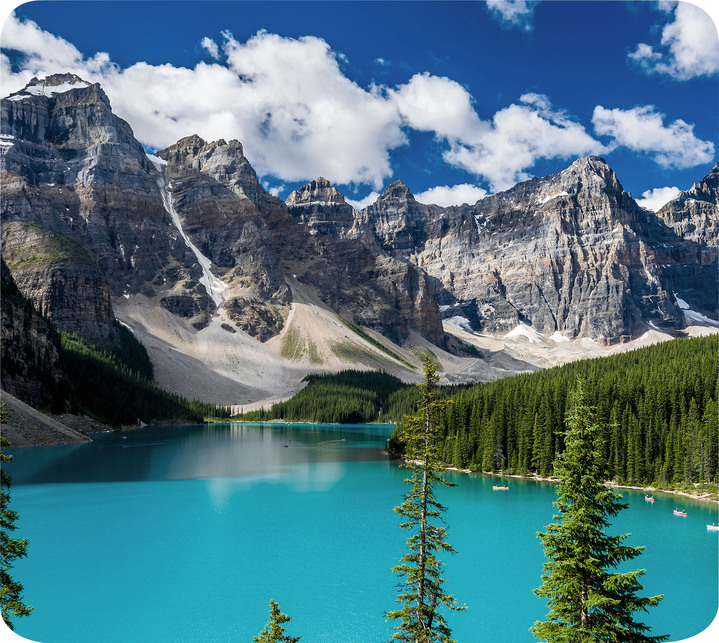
column 305, row 457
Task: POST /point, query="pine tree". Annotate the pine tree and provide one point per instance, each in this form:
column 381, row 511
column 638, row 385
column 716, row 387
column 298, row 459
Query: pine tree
column 11, row 598
column 274, row 632
column 421, row 593
column 587, row 602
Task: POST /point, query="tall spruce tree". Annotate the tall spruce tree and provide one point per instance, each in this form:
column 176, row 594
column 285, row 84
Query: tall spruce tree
column 11, row 598
column 422, row 595
column 274, row 632
column 587, row 601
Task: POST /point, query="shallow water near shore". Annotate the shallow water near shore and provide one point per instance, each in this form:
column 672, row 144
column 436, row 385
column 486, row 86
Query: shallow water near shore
column 186, row 533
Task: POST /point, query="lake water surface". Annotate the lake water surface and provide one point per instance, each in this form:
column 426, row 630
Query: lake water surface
column 185, row 534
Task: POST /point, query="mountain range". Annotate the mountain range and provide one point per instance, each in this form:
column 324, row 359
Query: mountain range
column 237, row 294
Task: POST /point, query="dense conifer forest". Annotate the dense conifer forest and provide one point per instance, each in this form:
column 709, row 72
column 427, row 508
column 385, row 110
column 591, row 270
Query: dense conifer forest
column 117, row 387
column 658, row 404
column 349, row 397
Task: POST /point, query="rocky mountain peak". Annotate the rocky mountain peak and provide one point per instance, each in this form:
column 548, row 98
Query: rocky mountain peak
column 319, row 191
column 221, row 162
column 396, row 191
column 694, row 214
column 55, row 85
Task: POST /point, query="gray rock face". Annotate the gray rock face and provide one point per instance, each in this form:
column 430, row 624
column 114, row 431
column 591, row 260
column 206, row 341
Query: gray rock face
column 69, row 165
column 398, row 221
column 61, row 280
column 30, row 350
column 322, row 209
column 571, row 252
column 232, row 220
column 694, row 214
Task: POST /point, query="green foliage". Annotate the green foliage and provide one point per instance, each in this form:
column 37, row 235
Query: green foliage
column 587, row 601
column 11, row 592
column 422, row 595
column 132, row 353
column 274, row 632
column 657, row 407
column 344, row 398
column 106, row 388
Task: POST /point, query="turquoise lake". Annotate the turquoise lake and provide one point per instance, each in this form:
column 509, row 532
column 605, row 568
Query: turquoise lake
column 185, row 533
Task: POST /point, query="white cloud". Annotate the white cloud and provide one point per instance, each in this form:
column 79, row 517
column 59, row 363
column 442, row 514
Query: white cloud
column 305, row 117
column 518, row 137
column 446, row 195
column 437, row 104
column 642, row 129
column 211, row 47
column 285, row 99
column 363, row 203
column 689, row 45
column 655, row 199
column 515, row 13
column 298, row 116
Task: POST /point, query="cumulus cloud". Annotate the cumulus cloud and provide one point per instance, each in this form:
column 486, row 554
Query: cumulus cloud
column 689, row 45
column 517, row 137
column 515, row 13
column 446, row 195
column 642, row 129
column 437, row 104
column 363, row 203
column 655, row 199
column 211, row 47
column 297, row 115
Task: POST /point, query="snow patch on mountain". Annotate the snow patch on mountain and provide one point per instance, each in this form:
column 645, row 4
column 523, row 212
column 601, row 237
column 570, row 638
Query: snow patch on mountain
column 458, row 322
column 215, row 287
column 553, row 196
column 526, row 333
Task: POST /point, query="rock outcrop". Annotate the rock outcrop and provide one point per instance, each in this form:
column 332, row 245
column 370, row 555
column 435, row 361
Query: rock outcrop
column 30, row 351
column 570, row 253
column 322, row 209
column 694, row 214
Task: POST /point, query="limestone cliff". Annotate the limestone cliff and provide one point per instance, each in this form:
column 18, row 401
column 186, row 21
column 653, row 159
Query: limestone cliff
column 30, row 351
column 694, row 214
column 570, row 253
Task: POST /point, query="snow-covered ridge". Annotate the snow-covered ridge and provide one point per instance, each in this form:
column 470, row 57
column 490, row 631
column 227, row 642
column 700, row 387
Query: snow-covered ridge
column 546, row 199
column 41, row 89
column 214, row 286
column 693, row 314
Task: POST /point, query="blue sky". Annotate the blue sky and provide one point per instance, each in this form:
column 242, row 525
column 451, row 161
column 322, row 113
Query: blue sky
column 457, row 99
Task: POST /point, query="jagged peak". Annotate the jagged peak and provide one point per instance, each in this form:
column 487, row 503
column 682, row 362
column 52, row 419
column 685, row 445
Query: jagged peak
column 50, row 86
column 194, row 145
column 318, row 192
column 397, row 190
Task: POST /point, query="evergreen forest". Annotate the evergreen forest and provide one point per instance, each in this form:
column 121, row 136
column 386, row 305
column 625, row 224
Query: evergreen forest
column 349, row 397
column 658, row 404
column 117, row 387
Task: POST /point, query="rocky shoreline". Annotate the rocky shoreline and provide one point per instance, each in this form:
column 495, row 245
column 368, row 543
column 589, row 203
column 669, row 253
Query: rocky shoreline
column 28, row 427
column 695, row 495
